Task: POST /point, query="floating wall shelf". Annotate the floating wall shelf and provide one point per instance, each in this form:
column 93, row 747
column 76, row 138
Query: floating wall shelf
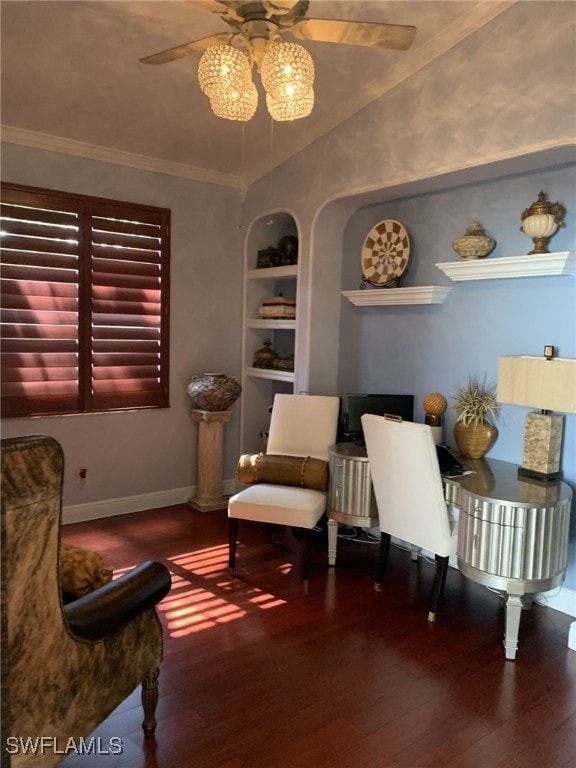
column 271, row 374
column 272, row 325
column 499, row 267
column 421, row 294
column 273, row 273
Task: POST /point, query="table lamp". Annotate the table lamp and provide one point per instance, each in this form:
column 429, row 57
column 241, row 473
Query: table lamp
column 548, row 383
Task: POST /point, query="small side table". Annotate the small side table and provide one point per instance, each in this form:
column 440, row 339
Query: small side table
column 512, row 534
column 210, row 459
column 350, row 495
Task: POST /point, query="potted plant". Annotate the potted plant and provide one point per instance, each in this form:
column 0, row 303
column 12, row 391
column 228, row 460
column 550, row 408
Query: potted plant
column 476, row 408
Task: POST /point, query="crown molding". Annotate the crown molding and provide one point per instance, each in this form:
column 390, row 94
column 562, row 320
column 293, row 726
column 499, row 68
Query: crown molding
column 24, row 137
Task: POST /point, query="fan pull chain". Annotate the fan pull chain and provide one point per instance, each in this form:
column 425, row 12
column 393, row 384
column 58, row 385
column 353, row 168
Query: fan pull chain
column 271, row 141
column 243, row 150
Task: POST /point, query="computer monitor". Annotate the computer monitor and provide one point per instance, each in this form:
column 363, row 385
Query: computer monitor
column 356, row 404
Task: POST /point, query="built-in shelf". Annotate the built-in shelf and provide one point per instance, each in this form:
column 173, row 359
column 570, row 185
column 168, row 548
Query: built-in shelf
column 271, row 374
column 272, row 325
column 421, row 294
column 273, row 273
column 499, row 267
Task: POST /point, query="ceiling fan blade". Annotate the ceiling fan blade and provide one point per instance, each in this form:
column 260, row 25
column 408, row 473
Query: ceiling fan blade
column 367, row 33
column 237, row 9
column 295, row 13
column 280, row 7
column 185, row 50
column 227, row 9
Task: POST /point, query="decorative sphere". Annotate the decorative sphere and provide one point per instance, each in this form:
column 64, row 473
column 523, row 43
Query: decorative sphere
column 435, row 403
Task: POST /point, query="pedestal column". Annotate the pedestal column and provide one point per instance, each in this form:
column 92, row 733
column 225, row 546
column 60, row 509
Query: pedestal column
column 210, row 457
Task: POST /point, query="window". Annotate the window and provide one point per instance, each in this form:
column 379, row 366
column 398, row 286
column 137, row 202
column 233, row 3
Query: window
column 85, row 304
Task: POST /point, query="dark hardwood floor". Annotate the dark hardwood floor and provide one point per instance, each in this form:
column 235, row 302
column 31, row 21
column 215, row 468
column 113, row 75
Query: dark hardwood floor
column 258, row 674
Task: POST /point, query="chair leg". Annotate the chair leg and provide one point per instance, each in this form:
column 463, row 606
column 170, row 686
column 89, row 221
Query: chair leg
column 232, row 538
column 439, row 581
column 382, row 560
column 149, row 701
column 307, row 556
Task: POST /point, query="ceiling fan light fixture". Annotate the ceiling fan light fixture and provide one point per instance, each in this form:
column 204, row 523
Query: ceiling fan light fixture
column 236, row 105
column 287, row 72
column 287, row 69
column 290, row 109
column 223, row 68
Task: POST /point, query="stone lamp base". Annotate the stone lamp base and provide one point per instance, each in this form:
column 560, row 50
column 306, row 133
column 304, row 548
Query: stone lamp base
column 542, row 443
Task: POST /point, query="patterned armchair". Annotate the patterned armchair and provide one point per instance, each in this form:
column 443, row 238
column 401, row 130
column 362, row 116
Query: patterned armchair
column 64, row 668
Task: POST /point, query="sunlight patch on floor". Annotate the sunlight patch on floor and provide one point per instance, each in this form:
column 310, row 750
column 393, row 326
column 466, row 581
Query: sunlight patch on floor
column 213, row 597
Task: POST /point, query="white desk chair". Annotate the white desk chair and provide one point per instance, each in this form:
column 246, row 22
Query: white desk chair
column 409, row 494
column 300, row 425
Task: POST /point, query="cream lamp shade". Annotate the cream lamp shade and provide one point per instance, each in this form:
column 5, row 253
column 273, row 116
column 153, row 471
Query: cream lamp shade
column 548, row 383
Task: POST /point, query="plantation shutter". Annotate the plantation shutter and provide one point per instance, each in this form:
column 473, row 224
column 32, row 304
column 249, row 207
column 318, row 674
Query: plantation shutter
column 127, row 278
column 84, row 304
column 40, row 269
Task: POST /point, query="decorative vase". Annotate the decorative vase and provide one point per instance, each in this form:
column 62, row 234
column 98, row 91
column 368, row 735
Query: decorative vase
column 288, row 249
column 214, row 391
column 264, row 357
column 474, row 441
column 541, row 221
column 475, row 244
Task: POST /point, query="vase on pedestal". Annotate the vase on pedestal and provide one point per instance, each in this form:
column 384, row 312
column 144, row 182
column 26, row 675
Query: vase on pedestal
column 212, row 394
column 214, row 391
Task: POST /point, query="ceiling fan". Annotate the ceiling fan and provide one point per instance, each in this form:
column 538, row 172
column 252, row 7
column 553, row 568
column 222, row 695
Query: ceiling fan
column 256, row 24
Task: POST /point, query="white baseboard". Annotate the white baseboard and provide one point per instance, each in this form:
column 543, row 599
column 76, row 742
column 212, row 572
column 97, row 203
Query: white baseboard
column 95, row 510
column 563, row 600
column 572, row 636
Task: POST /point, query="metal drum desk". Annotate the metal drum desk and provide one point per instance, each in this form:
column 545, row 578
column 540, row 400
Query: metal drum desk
column 512, row 534
column 350, row 496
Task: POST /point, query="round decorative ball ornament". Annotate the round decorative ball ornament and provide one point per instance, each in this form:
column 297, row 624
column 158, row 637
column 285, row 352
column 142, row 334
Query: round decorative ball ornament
column 435, row 404
column 385, row 254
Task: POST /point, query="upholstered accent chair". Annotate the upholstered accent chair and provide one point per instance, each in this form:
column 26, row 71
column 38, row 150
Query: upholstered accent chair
column 409, row 495
column 65, row 668
column 301, row 426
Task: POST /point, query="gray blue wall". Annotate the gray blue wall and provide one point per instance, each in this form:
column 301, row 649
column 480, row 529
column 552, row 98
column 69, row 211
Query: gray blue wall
column 419, row 349
column 436, row 151
column 149, row 457
column 466, row 138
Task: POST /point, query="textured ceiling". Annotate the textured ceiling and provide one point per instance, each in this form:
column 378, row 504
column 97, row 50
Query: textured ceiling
column 71, row 73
